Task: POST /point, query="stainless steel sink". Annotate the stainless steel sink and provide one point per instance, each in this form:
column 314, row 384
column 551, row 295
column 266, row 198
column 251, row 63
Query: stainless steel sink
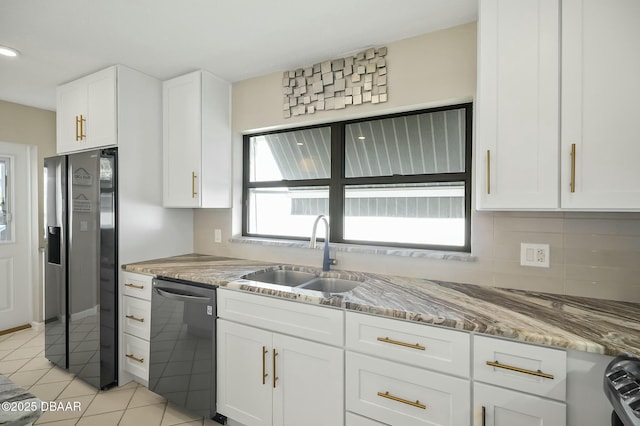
column 330, row 285
column 303, row 280
column 285, row 277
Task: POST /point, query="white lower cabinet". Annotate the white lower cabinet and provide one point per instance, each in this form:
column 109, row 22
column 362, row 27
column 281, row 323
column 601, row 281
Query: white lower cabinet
column 269, row 378
column 495, row 406
column 403, row 395
column 530, row 384
column 135, row 321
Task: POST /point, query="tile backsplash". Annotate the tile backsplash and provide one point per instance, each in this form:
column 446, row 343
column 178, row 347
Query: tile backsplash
column 591, row 254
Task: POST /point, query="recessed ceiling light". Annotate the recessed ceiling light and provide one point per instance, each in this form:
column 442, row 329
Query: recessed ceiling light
column 361, row 138
column 299, row 143
column 7, row 51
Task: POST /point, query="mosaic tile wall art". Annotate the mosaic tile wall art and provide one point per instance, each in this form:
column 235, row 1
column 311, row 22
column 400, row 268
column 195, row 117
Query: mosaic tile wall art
column 336, row 84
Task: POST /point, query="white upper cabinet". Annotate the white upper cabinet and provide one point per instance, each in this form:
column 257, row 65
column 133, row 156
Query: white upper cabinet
column 517, row 122
column 87, row 111
column 197, row 141
column 534, row 135
column 600, row 92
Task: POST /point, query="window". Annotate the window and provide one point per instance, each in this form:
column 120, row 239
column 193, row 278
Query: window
column 401, row 180
column 5, row 199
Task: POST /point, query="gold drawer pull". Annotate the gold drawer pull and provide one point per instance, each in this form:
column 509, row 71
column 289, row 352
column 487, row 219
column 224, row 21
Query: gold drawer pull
column 134, row 286
column 408, row 345
column 520, row 370
column 131, row 317
column 135, row 358
column 404, row 401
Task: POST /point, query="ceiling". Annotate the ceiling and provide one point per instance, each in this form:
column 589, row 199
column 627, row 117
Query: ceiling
column 61, row 40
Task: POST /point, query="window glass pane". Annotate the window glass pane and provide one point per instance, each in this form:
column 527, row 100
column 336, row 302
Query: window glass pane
column 286, row 211
column 295, row 155
column 414, row 144
column 5, row 225
column 426, row 213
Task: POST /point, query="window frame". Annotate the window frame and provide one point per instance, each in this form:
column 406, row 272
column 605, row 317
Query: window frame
column 337, row 180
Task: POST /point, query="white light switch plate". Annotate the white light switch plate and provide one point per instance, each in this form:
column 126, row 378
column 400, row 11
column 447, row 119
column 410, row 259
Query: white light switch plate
column 217, row 235
column 534, row 255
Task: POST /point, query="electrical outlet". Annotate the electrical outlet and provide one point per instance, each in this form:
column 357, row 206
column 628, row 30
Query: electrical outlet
column 534, row 255
column 217, row 235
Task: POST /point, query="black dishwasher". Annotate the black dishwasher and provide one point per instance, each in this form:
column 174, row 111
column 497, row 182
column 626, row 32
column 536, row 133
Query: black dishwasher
column 182, row 364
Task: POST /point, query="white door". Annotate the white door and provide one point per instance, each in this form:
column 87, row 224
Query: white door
column 15, row 236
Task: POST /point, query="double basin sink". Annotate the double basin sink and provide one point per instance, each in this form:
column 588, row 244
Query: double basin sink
column 303, row 280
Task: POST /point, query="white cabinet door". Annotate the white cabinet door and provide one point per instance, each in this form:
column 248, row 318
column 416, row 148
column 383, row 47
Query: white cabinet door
column 86, row 116
column 182, row 108
column 502, row 407
column 245, row 385
column 197, row 141
column 600, row 91
column 517, row 108
column 309, row 390
column 100, row 118
column 71, row 103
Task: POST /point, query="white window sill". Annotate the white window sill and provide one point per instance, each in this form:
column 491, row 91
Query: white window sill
column 351, row 248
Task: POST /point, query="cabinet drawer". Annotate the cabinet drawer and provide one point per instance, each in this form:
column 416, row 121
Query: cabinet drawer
column 421, row 345
column 135, row 356
column 297, row 319
column 356, row 420
column 137, row 285
column 398, row 394
column 527, row 368
column 136, row 317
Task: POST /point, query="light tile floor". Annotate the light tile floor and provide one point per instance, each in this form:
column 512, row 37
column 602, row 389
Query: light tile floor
column 22, row 360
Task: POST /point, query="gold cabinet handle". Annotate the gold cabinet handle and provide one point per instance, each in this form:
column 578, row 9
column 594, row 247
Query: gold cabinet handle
column 573, row 167
column 275, row 375
column 77, row 128
column 82, row 121
column 396, row 342
column 193, row 185
column 416, row 404
column 264, row 365
column 131, row 317
column 135, row 358
column 488, row 171
column 520, row 370
column 134, row 286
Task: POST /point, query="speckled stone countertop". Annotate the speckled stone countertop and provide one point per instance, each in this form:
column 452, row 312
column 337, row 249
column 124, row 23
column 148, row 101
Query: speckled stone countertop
column 580, row 323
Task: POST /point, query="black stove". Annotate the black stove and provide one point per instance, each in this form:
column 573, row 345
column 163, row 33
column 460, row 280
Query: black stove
column 622, row 387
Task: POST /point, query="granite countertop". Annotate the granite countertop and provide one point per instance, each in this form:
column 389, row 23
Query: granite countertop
column 580, row 323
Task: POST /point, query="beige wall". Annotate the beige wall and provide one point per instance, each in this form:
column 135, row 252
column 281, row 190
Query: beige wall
column 30, row 126
column 592, row 254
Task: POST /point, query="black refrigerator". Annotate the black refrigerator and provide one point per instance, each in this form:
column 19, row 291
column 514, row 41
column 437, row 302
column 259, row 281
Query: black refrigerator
column 81, row 264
